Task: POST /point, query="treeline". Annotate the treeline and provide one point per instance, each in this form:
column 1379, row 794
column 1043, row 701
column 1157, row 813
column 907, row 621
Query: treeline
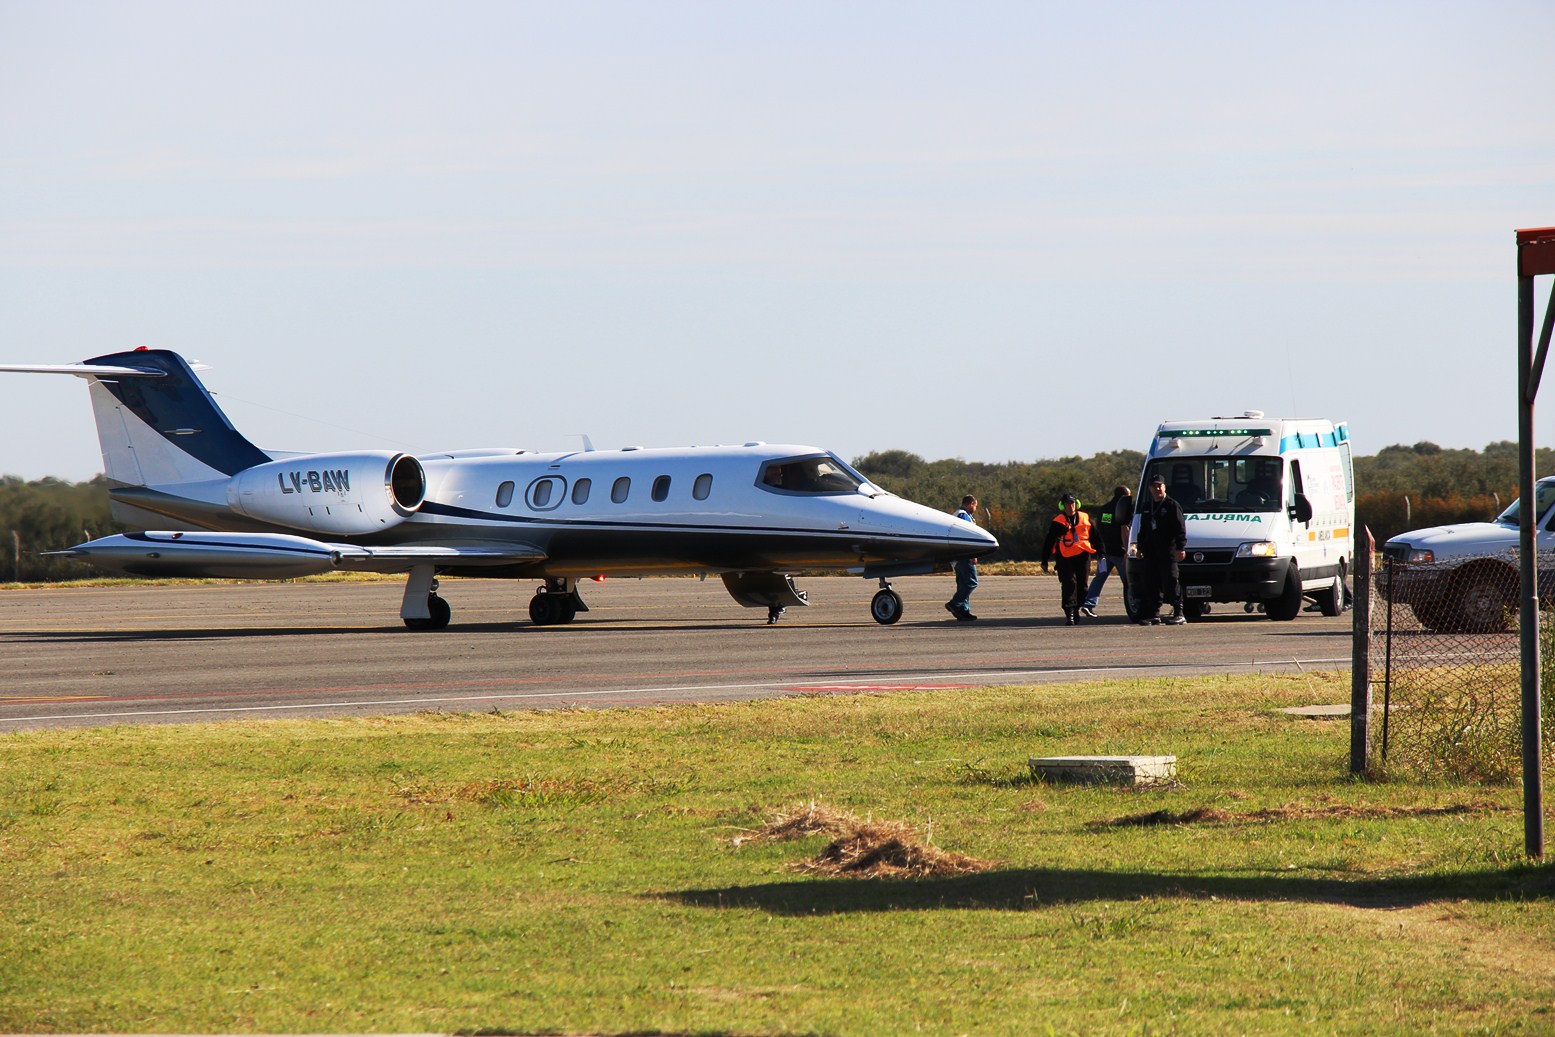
column 46, row 515
column 1409, row 487
column 1401, row 488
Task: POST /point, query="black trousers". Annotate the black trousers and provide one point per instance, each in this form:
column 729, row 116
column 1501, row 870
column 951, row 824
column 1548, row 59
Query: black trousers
column 1072, row 575
column 1160, row 585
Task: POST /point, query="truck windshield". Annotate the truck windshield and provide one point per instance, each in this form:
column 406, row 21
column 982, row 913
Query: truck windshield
column 1543, row 497
column 1216, row 485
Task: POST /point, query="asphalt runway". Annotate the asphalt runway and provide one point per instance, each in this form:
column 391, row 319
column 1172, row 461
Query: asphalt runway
column 99, row 656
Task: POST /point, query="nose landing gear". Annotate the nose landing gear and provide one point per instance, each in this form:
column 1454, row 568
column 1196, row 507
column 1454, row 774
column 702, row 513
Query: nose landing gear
column 421, row 608
column 886, row 606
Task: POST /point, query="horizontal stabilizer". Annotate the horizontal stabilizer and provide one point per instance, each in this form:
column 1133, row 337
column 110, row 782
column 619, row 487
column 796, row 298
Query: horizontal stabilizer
column 85, row 370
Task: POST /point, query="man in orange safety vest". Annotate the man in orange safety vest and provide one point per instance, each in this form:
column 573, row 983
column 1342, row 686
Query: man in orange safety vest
column 1069, row 535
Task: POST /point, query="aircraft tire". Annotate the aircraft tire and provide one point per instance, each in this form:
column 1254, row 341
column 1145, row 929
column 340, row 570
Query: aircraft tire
column 886, row 607
column 545, row 609
column 439, row 618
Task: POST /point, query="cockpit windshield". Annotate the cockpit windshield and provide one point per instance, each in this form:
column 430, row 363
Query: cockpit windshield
column 819, row 473
column 1216, row 485
column 1543, row 497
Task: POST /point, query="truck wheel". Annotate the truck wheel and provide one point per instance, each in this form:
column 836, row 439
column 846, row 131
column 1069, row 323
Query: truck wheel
column 1288, row 605
column 1485, row 599
column 1130, row 606
column 1436, row 617
column 1330, row 600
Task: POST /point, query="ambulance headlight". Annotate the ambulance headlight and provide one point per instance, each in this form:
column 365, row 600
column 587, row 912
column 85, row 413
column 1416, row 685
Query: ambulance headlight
column 1257, row 549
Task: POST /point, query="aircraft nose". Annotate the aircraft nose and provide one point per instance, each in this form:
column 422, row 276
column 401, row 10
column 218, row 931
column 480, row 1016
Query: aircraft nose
column 972, row 536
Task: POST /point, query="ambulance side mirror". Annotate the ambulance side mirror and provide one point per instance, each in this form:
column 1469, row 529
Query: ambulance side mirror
column 1301, row 510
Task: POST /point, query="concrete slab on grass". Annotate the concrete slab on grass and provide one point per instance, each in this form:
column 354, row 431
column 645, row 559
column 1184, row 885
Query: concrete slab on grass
column 1106, row 770
column 1318, row 712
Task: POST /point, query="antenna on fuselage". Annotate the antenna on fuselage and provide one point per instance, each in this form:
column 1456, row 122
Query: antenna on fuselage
column 588, row 444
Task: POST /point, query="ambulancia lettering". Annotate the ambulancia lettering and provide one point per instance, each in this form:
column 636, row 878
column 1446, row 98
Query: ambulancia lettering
column 1224, row 518
column 337, row 481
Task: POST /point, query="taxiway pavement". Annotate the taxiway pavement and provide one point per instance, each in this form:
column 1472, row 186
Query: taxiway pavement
column 99, row 656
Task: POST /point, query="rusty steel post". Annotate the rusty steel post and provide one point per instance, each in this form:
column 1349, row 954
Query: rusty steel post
column 1535, row 256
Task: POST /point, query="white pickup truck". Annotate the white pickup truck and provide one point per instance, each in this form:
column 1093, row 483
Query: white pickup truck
column 1464, row 578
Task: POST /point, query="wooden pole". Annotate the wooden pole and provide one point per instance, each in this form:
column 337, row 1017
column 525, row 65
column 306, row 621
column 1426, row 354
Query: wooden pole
column 1360, row 654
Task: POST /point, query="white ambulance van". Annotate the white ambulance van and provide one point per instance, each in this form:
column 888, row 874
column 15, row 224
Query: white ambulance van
column 1270, row 510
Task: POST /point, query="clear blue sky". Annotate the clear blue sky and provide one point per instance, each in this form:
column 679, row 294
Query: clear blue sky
column 999, row 230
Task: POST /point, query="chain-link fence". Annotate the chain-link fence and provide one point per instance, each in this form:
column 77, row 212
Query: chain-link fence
column 1445, row 668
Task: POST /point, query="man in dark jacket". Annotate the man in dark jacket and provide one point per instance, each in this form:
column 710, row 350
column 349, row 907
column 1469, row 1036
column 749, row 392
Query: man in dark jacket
column 1116, row 516
column 1162, row 543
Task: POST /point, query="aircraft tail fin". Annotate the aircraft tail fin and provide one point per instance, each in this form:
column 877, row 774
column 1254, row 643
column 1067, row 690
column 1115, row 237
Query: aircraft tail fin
column 156, row 423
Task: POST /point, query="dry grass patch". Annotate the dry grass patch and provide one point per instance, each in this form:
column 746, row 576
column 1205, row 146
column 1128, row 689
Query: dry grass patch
column 864, row 847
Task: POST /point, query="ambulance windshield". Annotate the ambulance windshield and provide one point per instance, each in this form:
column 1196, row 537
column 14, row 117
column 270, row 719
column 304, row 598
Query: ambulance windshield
column 1217, row 485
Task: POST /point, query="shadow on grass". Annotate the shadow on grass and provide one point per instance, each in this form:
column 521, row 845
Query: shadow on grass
column 1026, row 888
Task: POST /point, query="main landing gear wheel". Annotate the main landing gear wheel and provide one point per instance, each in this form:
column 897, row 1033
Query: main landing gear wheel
column 441, row 613
column 549, row 609
column 556, row 601
column 886, row 607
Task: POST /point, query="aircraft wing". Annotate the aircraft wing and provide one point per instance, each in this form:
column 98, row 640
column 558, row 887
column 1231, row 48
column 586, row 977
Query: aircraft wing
column 280, row 556
column 400, row 557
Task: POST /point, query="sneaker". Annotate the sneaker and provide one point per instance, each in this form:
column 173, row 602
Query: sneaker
column 1152, row 621
column 1087, row 612
column 1174, row 620
column 950, row 607
column 1069, row 620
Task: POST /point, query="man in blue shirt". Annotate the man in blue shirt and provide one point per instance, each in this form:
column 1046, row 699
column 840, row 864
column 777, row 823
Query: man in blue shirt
column 960, row 606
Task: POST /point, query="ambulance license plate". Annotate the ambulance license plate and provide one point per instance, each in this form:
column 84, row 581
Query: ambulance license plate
column 1196, row 591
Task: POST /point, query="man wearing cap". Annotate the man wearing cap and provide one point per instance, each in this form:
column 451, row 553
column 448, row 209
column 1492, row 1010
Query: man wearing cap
column 1069, row 534
column 1162, row 543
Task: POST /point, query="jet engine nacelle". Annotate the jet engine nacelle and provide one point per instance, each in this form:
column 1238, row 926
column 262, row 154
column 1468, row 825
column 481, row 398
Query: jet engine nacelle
column 332, row 493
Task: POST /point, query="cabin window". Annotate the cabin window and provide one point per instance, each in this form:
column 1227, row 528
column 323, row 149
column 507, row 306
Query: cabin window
column 822, row 473
column 505, row 494
column 580, row 491
column 622, row 487
column 547, row 492
column 661, row 488
column 702, row 487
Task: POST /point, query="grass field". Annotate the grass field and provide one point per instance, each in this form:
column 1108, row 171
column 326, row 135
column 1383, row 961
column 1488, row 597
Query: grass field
column 611, row 872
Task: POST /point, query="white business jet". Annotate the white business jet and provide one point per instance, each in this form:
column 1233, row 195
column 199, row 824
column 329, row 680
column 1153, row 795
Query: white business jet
column 214, row 505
